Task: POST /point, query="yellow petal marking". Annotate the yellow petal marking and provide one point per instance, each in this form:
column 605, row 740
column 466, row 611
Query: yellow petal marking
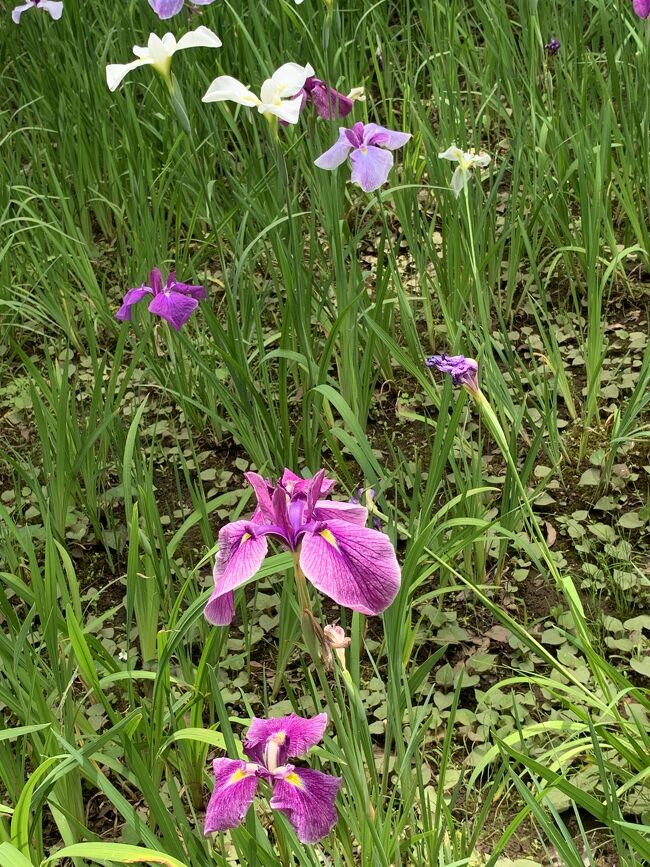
column 295, row 780
column 237, row 776
column 245, row 538
column 327, row 535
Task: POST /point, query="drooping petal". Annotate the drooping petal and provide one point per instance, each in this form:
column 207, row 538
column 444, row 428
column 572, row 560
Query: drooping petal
column 329, row 103
column 353, row 565
column 308, row 799
column 242, row 550
column 197, row 292
column 452, row 153
column 300, row 735
column 132, row 297
column 18, row 11
column 336, row 155
column 54, row 7
column 234, row 790
column 288, row 110
column 202, row 37
column 116, row 72
column 166, row 8
column 458, row 181
column 370, row 167
column 225, row 87
column 173, row 307
column 387, row 138
column 325, row 510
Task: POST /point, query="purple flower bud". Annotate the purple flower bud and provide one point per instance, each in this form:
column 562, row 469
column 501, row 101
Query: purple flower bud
column 552, row 47
column 642, row 8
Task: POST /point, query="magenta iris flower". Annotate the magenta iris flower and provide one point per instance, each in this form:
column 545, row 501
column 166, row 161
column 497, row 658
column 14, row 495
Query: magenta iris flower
column 54, row 7
column 642, row 8
column 174, row 301
column 352, row 564
column 306, row 797
column 168, row 8
column 464, row 371
column 371, row 156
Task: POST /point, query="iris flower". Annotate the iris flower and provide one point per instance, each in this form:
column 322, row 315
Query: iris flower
column 174, row 301
column 352, row 564
column 642, row 8
column 306, row 797
column 329, row 103
column 276, row 94
column 159, row 52
column 464, row 371
column 168, row 8
column 54, row 7
column 371, row 156
column 466, row 161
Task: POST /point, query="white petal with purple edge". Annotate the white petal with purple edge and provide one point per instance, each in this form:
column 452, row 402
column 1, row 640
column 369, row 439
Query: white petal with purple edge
column 354, row 566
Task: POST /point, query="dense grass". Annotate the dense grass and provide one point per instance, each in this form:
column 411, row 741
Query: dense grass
column 499, row 708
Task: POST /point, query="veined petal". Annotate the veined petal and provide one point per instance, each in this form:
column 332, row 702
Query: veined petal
column 166, row 8
column 115, row 72
column 459, row 181
column 353, row 565
column 225, row 87
column 242, row 550
column 308, row 799
column 155, row 280
column 234, row 790
column 54, row 7
column 388, row 138
column 300, row 735
column 173, row 307
column 325, row 510
column 336, row 155
column 370, row 167
column 132, row 297
column 202, row 37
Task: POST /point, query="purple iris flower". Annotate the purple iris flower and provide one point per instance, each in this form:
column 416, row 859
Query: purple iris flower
column 554, row 45
column 642, row 8
column 464, row 371
column 329, row 103
column 54, row 7
column 168, row 8
column 306, row 797
column 345, row 560
column 371, row 156
column 174, row 301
